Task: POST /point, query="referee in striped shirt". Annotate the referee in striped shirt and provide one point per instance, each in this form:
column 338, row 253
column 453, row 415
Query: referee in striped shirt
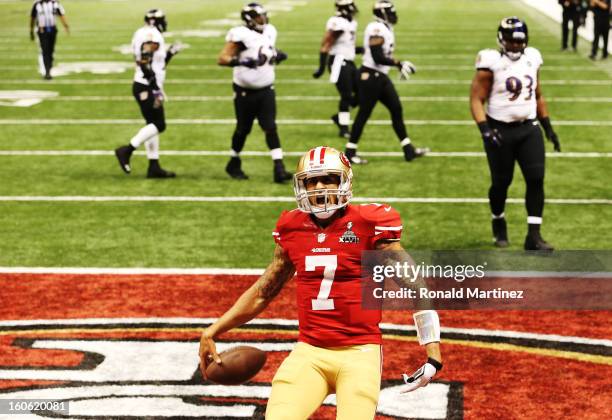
column 43, row 18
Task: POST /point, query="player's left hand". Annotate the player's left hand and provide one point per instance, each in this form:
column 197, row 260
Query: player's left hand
column 554, row 139
column 421, row 377
column 175, row 48
column 406, row 68
column 279, row 57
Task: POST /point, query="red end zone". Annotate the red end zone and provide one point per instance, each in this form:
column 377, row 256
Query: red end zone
column 491, row 373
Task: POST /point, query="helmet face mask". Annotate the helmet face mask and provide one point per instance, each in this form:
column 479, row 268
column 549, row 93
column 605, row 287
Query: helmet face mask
column 385, row 12
column 346, row 8
column 512, row 37
column 323, row 167
column 254, row 16
column 157, row 18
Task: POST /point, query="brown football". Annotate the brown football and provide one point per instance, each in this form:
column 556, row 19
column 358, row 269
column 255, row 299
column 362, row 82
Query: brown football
column 238, row 365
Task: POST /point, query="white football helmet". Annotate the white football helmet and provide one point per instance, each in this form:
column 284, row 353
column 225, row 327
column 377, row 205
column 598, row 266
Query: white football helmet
column 319, row 162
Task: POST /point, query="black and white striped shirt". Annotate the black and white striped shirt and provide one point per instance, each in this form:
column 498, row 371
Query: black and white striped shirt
column 44, row 12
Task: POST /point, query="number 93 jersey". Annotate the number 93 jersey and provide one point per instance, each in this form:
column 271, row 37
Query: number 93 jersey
column 512, row 95
column 328, row 271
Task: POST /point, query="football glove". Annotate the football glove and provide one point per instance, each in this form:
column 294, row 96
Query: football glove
column 489, row 135
column 175, row 48
column 406, row 68
column 322, row 61
column 550, row 133
column 279, row 57
column 158, row 98
column 246, row 62
column 422, row 376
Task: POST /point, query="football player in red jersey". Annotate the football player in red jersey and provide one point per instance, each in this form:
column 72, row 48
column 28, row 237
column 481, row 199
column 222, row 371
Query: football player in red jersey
column 339, row 343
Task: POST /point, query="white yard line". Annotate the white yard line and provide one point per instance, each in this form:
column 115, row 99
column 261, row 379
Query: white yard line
column 271, row 199
column 298, row 98
column 231, row 121
column 226, row 81
column 572, row 155
column 286, row 67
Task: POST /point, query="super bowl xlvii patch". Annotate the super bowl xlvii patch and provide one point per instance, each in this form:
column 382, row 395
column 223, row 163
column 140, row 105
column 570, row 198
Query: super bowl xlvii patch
column 349, row 236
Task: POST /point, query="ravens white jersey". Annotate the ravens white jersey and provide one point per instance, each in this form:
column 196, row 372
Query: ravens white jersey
column 144, row 35
column 381, row 30
column 512, row 95
column 255, row 45
column 345, row 44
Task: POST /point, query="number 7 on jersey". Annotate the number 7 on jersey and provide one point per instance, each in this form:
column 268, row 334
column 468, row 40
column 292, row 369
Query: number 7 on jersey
column 329, row 262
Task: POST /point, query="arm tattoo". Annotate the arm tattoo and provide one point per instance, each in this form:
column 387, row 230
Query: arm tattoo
column 276, row 275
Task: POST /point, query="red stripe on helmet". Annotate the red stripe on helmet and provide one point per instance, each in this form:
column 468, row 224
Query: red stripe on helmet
column 323, row 149
column 312, row 152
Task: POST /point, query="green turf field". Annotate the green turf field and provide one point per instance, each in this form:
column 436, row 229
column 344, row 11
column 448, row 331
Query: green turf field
column 442, row 37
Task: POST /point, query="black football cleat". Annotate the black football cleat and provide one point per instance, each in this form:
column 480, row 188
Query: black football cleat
column 156, row 171
column 411, row 153
column 500, row 233
column 280, row 174
column 124, row 153
column 535, row 242
column 344, row 130
column 351, row 155
column 234, row 169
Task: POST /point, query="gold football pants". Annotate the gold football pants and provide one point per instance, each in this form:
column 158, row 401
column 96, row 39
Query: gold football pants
column 309, row 374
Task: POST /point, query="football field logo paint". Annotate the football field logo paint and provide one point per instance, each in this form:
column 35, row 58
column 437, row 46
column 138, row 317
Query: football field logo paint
column 119, row 378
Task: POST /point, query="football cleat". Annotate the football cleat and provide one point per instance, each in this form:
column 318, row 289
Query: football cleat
column 500, row 233
column 512, row 37
column 344, row 130
column 351, row 155
column 535, row 242
column 280, row 174
column 234, row 169
column 157, row 18
column 156, row 171
column 384, row 11
column 123, row 154
column 411, row 153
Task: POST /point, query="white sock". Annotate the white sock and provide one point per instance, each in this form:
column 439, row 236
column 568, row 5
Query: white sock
column 152, row 146
column 498, row 216
column 276, row 153
column 405, row 142
column 144, row 134
column 344, row 118
column 534, row 220
column 234, row 153
column 350, row 145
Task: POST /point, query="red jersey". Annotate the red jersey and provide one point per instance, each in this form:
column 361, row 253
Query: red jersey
column 328, row 271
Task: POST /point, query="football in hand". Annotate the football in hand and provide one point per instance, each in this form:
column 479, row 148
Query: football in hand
column 238, row 365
